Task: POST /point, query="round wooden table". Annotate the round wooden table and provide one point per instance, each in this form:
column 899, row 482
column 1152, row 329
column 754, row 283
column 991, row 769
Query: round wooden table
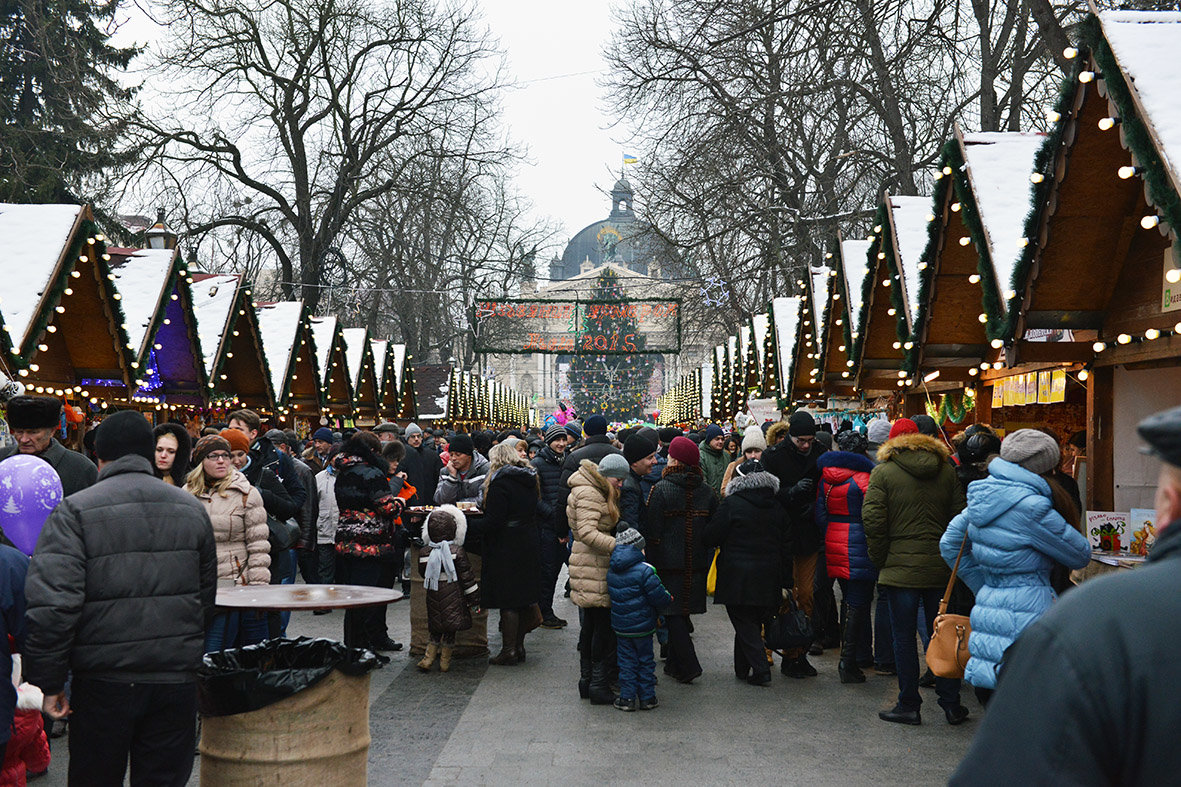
column 281, row 598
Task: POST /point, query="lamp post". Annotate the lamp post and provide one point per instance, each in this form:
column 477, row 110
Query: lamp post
column 159, row 236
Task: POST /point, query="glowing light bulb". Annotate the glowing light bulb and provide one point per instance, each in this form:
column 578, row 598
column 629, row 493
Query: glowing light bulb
column 1124, row 338
column 974, row 278
column 1070, row 53
column 1126, row 172
column 997, row 344
column 1107, row 123
column 1099, row 347
column 1148, row 222
column 1151, row 334
column 1086, row 77
column 964, row 241
column 983, row 318
column 1036, row 177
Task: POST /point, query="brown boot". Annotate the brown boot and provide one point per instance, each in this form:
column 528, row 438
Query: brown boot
column 510, row 621
column 428, row 658
column 445, row 658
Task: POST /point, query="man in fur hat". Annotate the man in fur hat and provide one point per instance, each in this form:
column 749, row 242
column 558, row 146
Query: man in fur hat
column 32, row 421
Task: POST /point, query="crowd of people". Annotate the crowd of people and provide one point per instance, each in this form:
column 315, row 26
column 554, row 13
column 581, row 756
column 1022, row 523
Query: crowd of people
column 115, row 610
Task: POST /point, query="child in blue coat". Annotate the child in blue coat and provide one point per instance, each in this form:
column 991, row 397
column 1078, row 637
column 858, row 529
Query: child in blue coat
column 637, row 596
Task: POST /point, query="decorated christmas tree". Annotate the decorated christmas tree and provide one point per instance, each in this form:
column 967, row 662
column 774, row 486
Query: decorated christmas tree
column 613, row 382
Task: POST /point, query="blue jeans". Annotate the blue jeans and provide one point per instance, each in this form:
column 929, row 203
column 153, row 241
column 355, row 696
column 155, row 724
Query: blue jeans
column 858, row 594
column 883, row 632
column 904, row 605
column 637, row 667
column 235, row 629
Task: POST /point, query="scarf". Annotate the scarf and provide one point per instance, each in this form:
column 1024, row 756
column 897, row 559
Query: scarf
column 438, row 563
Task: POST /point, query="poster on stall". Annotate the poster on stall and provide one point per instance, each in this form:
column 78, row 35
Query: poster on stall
column 1141, row 531
column 1107, row 530
column 1058, row 386
column 1031, row 388
column 1011, row 392
column 1043, row 387
column 998, row 393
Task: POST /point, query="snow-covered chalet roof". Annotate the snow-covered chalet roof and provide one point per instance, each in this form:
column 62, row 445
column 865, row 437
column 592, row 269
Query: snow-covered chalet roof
column 399, row 381
column 821, row 281
column 785, row 312
column 213, row 300
column 140, row 278
column 1144, row 44
column 323, row 334
column 707, row 389
column 35, row 238
column 855, row 262
column 911, row 218
column 278, row 327
column 999, row 166
column 379, row 348
column 744, row 348
column 355, row 340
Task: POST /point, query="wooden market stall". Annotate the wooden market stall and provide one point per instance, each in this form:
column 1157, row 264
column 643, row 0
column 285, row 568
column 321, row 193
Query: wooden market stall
column 403, row 372
column 161, row 326
column 362, row 375
column 807, row 385
column 63, row 324
column 785, row 336
column 286, row 331
column 841, row 313
column 231, row 344
column 336, row 387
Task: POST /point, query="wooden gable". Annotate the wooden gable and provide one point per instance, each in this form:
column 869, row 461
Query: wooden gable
column 362, row 373
column 231, row 342
column 336, row 389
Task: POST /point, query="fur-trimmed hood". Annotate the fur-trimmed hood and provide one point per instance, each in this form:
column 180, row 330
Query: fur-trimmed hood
column 918, row 454
column 847, row 460
column 588, row 475
column 746, row 483
column 435, row 530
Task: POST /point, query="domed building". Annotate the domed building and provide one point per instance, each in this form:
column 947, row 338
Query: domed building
column 619, row 239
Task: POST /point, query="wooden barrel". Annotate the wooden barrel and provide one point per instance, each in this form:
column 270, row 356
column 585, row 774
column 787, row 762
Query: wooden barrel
column 316, row 737
column 469, row 644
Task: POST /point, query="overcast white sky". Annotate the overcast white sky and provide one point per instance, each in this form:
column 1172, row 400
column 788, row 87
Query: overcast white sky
column 559, row 120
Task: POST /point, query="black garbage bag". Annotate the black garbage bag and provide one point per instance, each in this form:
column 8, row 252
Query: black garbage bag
column 239, row 680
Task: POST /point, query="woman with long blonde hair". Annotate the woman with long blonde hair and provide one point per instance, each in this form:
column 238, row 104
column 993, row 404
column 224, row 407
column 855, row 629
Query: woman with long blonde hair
column 511, row 548
column 239, row 529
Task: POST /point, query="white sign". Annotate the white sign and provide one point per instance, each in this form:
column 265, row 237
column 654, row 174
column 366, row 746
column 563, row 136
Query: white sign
column 763, row 410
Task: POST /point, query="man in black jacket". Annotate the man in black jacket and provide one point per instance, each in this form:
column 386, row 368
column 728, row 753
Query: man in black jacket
column 793, row 462
column 548, row 464
column 640, row 453
column 594, row 447
column 422, row 466
column 33, row 421
column 119, row 593
column 264, row 454
column 1086, row 695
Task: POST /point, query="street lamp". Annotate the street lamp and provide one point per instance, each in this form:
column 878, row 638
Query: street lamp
column 159, row 236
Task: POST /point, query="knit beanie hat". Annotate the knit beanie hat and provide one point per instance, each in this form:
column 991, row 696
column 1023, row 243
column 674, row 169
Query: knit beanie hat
column 926, row 425
column 878, row 431
column 754, row 439
column 461, row 444
column 668, row 434
column 595, row 425
column 903, row 426
column 613, row 466
column 1034, row 450
column 323, row 433
column 637, row 447
column 626, row 534
column 237, row 440
column 412, row 430
column 554, row 432
column 801, row 424
column 122, row 434
column 207, row 445
column 684, row 451
column 712, row 431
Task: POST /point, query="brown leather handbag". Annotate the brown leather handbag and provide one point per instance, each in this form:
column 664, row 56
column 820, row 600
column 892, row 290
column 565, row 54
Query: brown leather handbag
column 947, row 654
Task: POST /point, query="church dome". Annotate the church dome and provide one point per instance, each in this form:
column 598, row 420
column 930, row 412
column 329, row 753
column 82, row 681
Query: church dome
column 619, row 239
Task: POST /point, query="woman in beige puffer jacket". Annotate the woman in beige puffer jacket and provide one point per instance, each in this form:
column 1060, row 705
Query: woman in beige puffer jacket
column 593, row 511
column 236, row 511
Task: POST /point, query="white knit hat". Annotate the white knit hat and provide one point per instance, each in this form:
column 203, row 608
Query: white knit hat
column 753, row 438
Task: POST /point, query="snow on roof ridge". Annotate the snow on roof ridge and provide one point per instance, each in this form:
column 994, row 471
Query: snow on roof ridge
column 323, row 334
column 855, row 261
column 761, row 324
column 821, row 281
column 1144, row 44
column 380, row 350
column 35, row 238
column 707, row 389
column 999, row 166
column 213, row 300
column 278, row 327
column 785, row 312
column 140, row 280
column 399, row 351
column 354, row 352
column 909, row 217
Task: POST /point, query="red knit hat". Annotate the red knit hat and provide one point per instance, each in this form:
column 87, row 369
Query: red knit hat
column 684, row 451
column 240, row 442
column 903, row 426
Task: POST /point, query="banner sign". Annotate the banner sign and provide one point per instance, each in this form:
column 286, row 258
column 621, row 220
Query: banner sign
column 572, row 327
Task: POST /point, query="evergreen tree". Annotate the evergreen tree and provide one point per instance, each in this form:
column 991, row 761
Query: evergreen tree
column 61, row 113
column 614, row 386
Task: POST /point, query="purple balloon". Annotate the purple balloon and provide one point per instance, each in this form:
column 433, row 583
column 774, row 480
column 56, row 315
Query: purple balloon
column 29, row 489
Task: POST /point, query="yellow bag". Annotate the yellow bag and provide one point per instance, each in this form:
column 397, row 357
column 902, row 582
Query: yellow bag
column 711, row 579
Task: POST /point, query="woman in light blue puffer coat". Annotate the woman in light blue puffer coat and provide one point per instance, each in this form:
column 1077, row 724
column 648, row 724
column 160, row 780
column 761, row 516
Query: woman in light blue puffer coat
column 1015, row 536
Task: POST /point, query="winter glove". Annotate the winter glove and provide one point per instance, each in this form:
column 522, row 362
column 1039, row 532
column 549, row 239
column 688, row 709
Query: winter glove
column 803, row 487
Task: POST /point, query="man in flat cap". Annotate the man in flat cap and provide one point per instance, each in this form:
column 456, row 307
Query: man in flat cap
column 1086, row 695
column 32, row 421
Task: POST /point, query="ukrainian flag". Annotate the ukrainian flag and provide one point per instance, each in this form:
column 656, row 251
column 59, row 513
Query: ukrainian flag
column 628, row 158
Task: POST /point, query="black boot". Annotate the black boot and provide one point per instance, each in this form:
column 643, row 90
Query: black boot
column 510, row 622
column 600, row 686
column 584, row 679
column 847, row 667
column 798, row 667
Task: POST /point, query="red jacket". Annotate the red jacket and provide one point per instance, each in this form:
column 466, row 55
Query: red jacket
column 844, row 477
